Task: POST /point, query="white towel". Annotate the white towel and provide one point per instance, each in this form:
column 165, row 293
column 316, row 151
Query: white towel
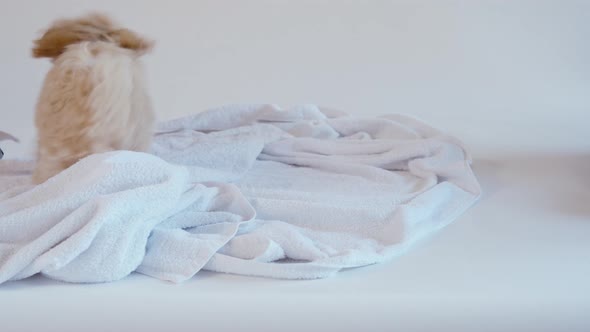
column 246, row 189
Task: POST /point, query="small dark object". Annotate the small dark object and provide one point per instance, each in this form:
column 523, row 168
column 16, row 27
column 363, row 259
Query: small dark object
column 6, row 136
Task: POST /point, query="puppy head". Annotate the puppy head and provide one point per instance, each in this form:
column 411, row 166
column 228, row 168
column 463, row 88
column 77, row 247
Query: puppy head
column 92, row 27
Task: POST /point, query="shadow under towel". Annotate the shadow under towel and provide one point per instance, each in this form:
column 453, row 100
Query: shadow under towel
column 246, row 189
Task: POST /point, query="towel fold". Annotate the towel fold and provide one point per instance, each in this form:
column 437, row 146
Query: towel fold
column 247, row 189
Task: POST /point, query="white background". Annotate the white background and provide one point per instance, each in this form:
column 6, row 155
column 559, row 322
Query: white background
column 507, row 76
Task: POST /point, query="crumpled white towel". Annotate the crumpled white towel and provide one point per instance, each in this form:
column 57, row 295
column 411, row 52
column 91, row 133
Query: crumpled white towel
column 245, row 189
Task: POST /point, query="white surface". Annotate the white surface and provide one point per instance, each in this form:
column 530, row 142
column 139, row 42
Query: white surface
column 511, row 71
column 518, row 261
column 507, row 77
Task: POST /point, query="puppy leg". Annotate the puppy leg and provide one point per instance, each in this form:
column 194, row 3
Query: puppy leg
column 46, row 168
column 52, row 160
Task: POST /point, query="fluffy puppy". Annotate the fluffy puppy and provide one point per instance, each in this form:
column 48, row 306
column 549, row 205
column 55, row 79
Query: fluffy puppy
column 94, row 98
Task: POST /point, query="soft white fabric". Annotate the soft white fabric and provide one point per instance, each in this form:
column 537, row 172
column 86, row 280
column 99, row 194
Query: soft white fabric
column 245, row 189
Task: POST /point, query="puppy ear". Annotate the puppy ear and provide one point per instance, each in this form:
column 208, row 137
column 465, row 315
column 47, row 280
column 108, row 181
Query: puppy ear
column 62, row 33
column 54, row 42
column 130, row 40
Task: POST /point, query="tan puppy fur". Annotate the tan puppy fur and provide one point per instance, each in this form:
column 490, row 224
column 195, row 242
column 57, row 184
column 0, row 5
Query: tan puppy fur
column 94, row 98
